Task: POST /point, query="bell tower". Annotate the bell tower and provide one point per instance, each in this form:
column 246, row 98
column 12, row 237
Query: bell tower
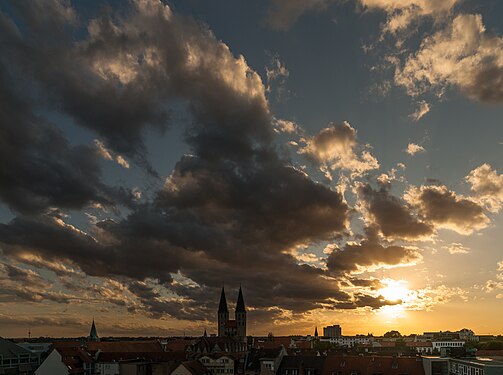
column 223, row 315
column 241, row 316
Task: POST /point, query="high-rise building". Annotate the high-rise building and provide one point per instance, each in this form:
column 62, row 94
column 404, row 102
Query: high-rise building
column 332, row 331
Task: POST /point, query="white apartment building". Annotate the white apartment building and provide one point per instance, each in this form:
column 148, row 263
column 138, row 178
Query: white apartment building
column 447, row 344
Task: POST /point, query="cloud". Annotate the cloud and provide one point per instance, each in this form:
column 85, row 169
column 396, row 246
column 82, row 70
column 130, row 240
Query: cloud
column 444, row 209
column 463, row 55
column 422, row 109
column 487, row 185
column 107, row 154
column 132, row 65
column 370, row 255
column 210, row 223
column 393, row 217
column 413, row 149
column 18, row 284
column 402, row 13
column 500, row 266
column 335, row 147
column 282, row 14
column 363, row 300
column 276, row 71
column 285, row 126
column 38, row 163
column 456, row 248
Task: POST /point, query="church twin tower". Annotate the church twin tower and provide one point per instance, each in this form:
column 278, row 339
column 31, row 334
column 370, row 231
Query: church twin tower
column 232, row 328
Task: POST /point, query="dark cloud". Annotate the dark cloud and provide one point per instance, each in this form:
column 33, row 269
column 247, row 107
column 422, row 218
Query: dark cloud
column 393, row 217
column 23, row 276
column 116, row 80
column 19, row 284
column 40, row 169
column 233, row 211
column 444, row 209
column 369, row 254
column 364, row 300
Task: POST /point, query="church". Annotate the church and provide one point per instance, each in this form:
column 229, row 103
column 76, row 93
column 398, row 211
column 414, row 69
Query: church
column 232, row 328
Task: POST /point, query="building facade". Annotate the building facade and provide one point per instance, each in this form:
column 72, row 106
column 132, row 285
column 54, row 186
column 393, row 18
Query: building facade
column 332, row 331
column 232, row 328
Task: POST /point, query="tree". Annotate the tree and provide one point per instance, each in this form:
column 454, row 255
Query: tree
column 392, row 334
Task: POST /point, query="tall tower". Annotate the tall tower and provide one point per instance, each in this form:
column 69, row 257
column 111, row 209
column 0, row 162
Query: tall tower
column 241, row 316
column 223, row 314
column 93, row 334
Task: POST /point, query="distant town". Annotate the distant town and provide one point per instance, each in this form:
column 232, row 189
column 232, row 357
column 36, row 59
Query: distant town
column 231, row 351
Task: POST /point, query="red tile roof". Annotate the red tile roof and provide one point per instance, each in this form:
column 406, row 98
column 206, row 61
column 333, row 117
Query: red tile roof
column 195, row 368
column 345, row 365
column 125, row 346
column 152, row 356
column 177, row 345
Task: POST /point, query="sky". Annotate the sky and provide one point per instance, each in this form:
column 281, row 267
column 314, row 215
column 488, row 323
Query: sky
column 341, row 160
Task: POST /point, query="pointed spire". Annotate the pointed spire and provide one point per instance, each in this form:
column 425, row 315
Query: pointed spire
column 205, row 334
column 316, row 331
column 240, row 305
column 93, row 335
column 222, row 307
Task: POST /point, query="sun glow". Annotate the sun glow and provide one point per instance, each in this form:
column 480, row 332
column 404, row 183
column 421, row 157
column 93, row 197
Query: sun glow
column 395, row 290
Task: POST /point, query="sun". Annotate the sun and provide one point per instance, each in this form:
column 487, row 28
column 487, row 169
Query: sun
column 395, row 290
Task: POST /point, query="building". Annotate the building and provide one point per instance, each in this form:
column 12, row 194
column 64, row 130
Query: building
column 191, row 368
column 301, row 365
column 332, row 331
column 16, row 360
column 216, row 345
column 93, row 334
column 66, row 361
column 437, row 345
column 218, row 363
column 375, row 365
column 350, row 341
column 462, row 366
column 475, row 366
column 421, row 347
column 232, row 328
column 264, row 361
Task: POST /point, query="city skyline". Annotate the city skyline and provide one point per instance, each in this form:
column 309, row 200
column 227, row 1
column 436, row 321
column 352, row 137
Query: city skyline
column 340, row 160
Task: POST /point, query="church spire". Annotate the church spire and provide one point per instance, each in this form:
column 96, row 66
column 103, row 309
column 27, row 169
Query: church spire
column 240, row 305
column 316, row 331
column 222, row 307
column 93, row 335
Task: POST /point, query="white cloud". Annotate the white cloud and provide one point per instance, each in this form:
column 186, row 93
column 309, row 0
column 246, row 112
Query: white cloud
column 422, row 109
column 401, row 13
column 285, row 126
column 413, row 149
column 462, row 55
column 335, row 147
column 487, row 185
column 456, row 248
